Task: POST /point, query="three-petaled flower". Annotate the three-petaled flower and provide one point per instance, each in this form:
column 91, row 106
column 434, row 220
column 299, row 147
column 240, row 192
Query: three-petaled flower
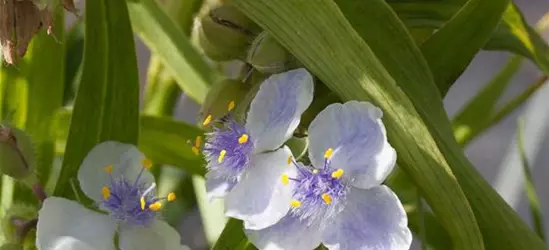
column 115, row 176
column 340, row 200
column 244, row 160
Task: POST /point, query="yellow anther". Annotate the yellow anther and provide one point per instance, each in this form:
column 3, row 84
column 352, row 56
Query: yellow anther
column 221, row 155
column 285, row 179
column 243, row 139
column 231, row 106
column 295, row 203
column 207, row 120
column 155, row 206
column 198, row 141
column 142, row 201
column 327, row 198
column 195, row 150
column 290, row 160
column 328, row 153
column 108, row 169
column 106, row 193
column 315, row 171
column 171, row 197
column 338, row 173
column 146, row 163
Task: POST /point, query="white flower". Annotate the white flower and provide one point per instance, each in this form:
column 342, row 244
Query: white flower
column 114, row 175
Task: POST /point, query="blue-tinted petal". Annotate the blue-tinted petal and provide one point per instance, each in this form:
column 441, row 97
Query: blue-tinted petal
column 125, row 159
column 372, row 219
column 260, row 199
column 288, row 233
column 356, row 134
column 65, row 224
column 276, row 110
column 159, row 236
column 218, row 187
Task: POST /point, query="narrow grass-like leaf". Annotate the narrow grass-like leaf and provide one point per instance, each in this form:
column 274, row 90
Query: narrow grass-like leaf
column 530, row 189
column 161, row 139
column 469, row 30
column 479, row 109
column 107, row 103
column 465, row 136
column 169, row 42
column 344, row 62
column 347, row 65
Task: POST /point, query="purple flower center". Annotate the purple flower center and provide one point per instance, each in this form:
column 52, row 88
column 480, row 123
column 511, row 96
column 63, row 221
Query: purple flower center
column 318, row 193
column 228, row 149
column 131, row 201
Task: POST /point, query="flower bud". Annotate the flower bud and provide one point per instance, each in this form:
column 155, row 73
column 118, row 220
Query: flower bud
column 16, row 153
column 18, row 220
column 268, row 56
column 222, row 98
column 224, row 33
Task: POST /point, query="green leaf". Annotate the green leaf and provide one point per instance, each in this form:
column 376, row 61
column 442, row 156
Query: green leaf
column 107, row 103
column 161, row 139
column 533, row 199
column 469, row 30
column 480, row 109
column 233, row 237
column 417, row 127
column 168, row 41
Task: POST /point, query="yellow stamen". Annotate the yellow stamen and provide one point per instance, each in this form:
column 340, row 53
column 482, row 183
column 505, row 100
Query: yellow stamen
column 295, row 203
column 108, row 169
column 207, row 120
column 221, row 155
column 171, row 196
column 231, row 105
column 338, row 173
column 195, row 150
column 106, row 193
column 146, row 163
column 285, row 179
column 315, row 171
column 243, row 139
column 328, row 153
column 327, row 198
column 155, row 206
column 198, row 141
column 142, row 201
column 290, row 160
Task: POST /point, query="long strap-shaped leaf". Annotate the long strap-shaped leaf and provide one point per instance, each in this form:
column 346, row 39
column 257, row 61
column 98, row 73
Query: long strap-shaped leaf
column 107, row 103
column 450, row 50
column 320, row 36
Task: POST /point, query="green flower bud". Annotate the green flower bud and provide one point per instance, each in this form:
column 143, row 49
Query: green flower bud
column 225, row 33
column 222, row 98
column 18, row 221
column 16, row 153
column 268, row 56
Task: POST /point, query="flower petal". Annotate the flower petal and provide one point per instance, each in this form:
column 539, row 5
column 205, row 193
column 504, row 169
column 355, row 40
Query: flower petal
column 159, row 236
column 65, row 224
column 372, row 219
column 260, row 199
column 356, row 134
column 218, row 187
column 125, row 159
column 288, row 233
column 276, row 110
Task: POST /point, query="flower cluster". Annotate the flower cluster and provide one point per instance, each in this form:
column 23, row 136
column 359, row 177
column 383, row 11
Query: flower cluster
column 338, row 200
